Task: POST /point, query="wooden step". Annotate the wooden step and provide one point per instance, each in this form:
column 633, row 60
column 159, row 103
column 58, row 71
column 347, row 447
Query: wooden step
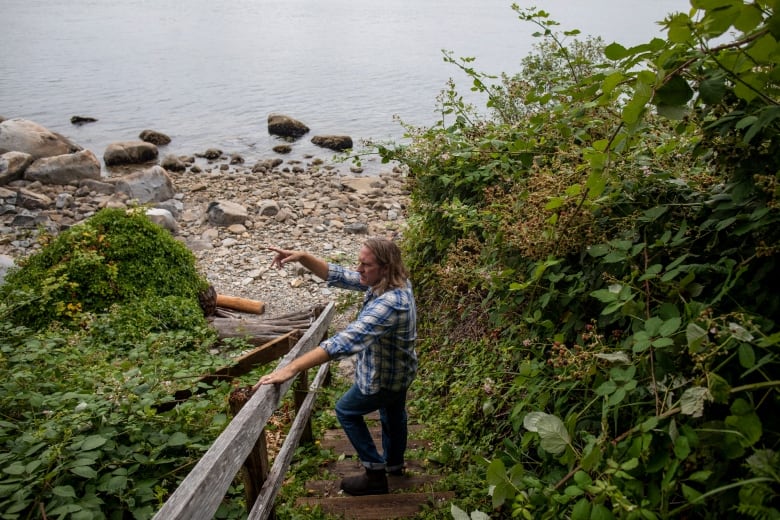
column 414, row 478
column 378, row 507
column 408, row 495
column 337, row 441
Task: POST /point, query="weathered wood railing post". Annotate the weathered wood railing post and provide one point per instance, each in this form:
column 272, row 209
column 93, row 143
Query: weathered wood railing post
column 256, row 466
column 301, row 391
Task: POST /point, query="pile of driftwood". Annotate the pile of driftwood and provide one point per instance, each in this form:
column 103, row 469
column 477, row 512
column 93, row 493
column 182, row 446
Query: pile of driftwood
column 220, row 310
column 271, row 337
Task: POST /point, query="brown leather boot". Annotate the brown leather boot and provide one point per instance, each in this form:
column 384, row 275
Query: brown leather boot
column 372, row 482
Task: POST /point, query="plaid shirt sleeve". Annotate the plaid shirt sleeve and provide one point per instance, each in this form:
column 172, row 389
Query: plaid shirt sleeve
column 383, row 336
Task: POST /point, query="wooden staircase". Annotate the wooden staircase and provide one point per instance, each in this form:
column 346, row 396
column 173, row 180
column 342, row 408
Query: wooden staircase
column 409, row 494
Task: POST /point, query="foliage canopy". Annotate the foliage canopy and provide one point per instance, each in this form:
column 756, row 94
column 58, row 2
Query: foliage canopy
column 597, row 258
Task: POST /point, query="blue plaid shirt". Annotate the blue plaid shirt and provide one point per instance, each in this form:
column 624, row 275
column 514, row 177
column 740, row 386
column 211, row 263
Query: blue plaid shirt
column 382, row 336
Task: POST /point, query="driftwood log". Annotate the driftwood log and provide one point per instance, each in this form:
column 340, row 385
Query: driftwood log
column 260, row 330
column 214, row 304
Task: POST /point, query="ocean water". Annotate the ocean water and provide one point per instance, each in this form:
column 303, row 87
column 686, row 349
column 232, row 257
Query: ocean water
column 209, row 73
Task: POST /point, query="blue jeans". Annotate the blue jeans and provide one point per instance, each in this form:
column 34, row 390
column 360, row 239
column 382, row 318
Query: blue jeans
column 350, row 410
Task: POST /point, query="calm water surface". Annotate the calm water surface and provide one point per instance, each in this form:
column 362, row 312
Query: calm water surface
column 208, row 73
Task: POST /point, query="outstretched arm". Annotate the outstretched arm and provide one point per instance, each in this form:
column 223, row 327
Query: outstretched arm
column 317, row 266
column 315, row 357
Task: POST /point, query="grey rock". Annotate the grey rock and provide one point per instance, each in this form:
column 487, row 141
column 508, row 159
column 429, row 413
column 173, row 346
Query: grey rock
column 173, row 206
column 286, row 126
column 64, row 169
column 29, row 199
column 356, row 228
column 154, row 137
column 338, row 143
column 212, row 154
column 92, row 185
column 152, row 185
column 6, row 263
column 13, row 166
column 81, row 120
column 63, row 200
column 28, row 219
column 163, row 218
column 268, row 208
column 173, row 163
column 225, row 213
column 23, row 135
column 130, row 152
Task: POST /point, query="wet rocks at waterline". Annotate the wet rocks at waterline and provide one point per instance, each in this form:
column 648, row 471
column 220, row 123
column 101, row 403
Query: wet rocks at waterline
column 225, row 211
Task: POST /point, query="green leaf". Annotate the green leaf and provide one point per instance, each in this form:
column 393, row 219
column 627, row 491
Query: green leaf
column 679, row 30
column 457, row 513
column 719, row 388
column 673, row 112
column 640, row 345
column 551, row 430
column 713, row 89
column 591, row 457
column 749, row 18
column 675, row 92
column 600, row 512
column 739, row 332
column 669, row 327
column 178, row 439
column 693, row 401
column 681, row 447
column 690, row 493
column 16, row 468
column 700, row 476
column 653, row 326
column 617, row 397
column 84, row 471
column 496, row 472
column 114, row 483
column 598, row 250
column 615, row 52
column 764, row 463
column 93, row 442
column 581, row 510
column 606, row 388
column 662, row 342
column 64, row 491
column 747, row 357
column 695, row 336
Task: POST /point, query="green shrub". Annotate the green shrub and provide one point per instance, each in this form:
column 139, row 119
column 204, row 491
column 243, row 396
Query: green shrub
column 115, row 257
column 596, row 262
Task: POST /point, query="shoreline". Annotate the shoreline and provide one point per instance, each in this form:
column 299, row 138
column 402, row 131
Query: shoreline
column 317, row 201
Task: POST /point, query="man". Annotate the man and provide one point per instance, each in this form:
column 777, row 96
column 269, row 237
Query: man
column 383, row 338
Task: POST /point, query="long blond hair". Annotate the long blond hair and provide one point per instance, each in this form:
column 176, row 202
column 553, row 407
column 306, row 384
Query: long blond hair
column 388, row 254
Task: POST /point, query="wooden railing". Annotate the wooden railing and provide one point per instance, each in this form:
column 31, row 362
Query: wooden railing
column 202, row 491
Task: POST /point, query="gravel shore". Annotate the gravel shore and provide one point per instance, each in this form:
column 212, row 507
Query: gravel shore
column 318, row 207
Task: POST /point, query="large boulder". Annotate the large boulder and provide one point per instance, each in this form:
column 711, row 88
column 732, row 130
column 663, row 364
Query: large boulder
column 64, row 169
column 23, row 135
column 130, row 152
column 13, row 165
column 152, row 185
column 286, row 126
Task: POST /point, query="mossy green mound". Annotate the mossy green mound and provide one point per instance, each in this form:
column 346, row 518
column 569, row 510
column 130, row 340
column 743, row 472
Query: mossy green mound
column 114, row 258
